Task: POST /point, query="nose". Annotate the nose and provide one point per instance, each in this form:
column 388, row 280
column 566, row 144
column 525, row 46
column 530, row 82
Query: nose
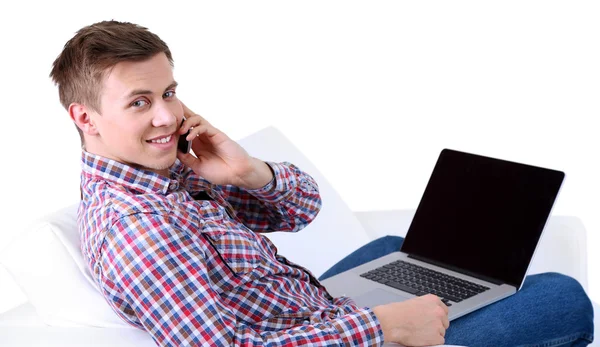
column 163, row 116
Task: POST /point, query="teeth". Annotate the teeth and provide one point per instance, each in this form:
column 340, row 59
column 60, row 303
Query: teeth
column 163, row 140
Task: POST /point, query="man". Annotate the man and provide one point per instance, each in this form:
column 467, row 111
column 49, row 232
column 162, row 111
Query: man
column 173, row 239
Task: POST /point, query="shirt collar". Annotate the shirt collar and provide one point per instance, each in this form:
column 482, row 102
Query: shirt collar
column 138, row 179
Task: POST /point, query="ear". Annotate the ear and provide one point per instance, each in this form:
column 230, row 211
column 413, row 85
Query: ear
column 82, row 116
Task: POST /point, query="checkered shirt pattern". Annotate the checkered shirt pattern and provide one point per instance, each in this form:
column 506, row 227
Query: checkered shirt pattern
column 197, row 272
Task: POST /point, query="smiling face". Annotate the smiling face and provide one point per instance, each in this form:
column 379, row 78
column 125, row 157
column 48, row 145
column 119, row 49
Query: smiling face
column 139, row 115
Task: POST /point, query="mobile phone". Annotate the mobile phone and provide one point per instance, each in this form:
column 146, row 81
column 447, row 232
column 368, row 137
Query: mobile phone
column 184, row 145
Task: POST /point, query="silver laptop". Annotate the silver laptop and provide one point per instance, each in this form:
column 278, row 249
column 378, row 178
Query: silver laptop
column 471, row 240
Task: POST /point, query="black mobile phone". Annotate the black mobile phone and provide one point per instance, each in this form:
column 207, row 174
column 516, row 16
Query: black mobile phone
column 184, row 145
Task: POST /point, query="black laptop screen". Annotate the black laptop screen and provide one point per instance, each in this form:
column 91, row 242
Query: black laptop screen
column 482, row 215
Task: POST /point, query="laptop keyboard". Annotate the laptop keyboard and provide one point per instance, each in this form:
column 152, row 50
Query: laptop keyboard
column 419, row 281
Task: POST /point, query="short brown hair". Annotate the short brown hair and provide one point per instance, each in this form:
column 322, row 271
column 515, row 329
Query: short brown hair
column 79, row 69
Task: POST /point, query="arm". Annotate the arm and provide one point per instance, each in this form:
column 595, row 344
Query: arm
column 164, row 277
column 289, row 202
column 282, row 198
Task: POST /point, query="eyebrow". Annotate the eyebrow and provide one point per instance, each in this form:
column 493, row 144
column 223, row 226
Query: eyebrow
column 146, row 91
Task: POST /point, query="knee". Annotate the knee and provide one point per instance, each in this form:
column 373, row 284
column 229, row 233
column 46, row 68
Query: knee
column 564, row 290
column 556, row 282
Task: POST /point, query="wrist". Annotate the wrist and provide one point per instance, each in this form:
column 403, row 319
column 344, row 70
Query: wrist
column 390, row 333
column 378, row 311
column 259, row 176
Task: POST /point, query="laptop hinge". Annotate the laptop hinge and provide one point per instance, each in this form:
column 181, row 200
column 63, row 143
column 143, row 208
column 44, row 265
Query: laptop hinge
column 455, row 269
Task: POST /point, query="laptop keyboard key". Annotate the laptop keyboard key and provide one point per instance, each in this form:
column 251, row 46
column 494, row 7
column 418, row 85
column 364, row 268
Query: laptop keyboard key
column 452, row 298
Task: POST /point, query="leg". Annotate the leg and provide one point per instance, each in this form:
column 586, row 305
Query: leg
column 550, row 309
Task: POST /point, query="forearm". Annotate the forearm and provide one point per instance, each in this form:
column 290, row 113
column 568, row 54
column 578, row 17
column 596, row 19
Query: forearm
column 289, row 202
column 260, row 175
column 359, row 328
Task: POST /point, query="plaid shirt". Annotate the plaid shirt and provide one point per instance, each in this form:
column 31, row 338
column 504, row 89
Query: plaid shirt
column 194, row 271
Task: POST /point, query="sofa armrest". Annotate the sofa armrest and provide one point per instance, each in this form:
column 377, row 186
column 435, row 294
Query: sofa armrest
column 562, row 249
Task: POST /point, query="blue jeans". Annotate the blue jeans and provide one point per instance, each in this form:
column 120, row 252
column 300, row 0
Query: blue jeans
column 550, row 309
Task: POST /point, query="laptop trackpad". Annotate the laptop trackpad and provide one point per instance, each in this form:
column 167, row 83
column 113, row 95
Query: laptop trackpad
column 379, row 296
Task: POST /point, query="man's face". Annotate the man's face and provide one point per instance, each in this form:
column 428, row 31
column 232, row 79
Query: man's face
column 140, row 115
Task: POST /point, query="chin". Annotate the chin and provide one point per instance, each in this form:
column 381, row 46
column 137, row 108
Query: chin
column 158, row 164
column 163, row 164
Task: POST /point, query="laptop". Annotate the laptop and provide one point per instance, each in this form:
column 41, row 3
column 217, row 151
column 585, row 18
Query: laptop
column 471, row 240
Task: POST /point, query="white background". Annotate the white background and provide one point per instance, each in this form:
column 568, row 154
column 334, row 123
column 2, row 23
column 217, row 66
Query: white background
column 370, row 91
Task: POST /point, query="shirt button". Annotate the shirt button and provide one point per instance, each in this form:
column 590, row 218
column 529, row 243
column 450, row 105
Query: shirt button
column 173, row 185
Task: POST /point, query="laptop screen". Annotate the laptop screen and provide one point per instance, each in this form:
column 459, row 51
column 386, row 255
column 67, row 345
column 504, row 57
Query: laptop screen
column 482, row 216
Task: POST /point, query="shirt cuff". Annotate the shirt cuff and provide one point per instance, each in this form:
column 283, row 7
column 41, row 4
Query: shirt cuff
column 283, row 182
column 360, row 328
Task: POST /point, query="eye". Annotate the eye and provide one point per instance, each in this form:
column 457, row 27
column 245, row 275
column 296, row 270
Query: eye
column 139, row 103
column 169, row 94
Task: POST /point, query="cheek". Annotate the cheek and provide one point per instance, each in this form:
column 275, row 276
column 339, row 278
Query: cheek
column 129, row 132
column 176, row 108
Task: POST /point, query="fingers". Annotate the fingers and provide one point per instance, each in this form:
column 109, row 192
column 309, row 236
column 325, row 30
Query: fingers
column 442, row 332
column 444, row 307
column 187, row 159
column 437, row 339
column 441, row 313
column 444, row 318
column 187, row 113
column 439, row 302
column 197, row 125
column 446, row 322
column 205, row 129
column 190, row 122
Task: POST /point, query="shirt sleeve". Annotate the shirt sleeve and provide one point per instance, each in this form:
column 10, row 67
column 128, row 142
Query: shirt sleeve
column 165, row 283
column 288, row 203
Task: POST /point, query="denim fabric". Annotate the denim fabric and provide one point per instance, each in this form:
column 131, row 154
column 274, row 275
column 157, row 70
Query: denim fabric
column 550, row 310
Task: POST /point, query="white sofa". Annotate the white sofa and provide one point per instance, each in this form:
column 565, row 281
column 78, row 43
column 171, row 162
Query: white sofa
column 65, row 309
